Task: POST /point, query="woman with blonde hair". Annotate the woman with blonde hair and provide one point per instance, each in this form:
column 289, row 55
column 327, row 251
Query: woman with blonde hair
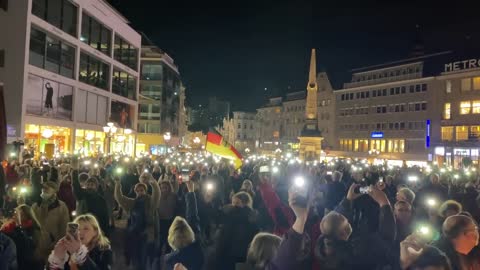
column 182, row 237
column 88, row 249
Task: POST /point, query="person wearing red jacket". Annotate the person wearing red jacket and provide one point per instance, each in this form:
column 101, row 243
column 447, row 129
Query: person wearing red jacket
column 281, row 214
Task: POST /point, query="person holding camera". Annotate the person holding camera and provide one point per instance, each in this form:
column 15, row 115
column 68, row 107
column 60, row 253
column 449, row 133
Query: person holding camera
column 84, row 247
column 337, row 249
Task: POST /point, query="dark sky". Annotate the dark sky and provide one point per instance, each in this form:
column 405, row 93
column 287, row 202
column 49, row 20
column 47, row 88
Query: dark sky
column 236, row 49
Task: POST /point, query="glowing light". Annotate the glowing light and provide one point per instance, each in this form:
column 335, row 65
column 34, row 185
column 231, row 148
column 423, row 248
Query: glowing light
column 275, row 169
column 413, row 178
column 299, row 181
column 456, row 176
column 431, row 202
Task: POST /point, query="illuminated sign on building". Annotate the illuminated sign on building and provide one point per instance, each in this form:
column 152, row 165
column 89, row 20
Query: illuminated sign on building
column 460, row 65
column 427, row 137
column 376, row 134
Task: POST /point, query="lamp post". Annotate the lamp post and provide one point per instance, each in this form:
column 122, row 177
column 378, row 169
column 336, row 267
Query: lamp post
column 110, row 129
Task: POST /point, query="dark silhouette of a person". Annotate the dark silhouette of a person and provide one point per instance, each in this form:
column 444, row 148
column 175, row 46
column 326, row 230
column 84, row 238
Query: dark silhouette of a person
column 49, row 96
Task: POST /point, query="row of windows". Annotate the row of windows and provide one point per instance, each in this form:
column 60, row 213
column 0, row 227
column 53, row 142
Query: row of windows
column 93, row 71
column 49, row 53
column 387, row 74
column 124, row 84
column 244, row 126
column 149, row 112
column 462, row 133
column 469, row 84
column 383, row 92
column 365, row 145
column 392, row 108
column 296, row 108
column 467, row 107
column 413, row 125
column 63, row 14
column 59, row 13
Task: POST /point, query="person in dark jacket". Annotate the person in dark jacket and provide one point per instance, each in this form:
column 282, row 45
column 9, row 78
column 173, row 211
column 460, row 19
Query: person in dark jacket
column 8, row 253
column 237, row 230
column 460, row 238
column 24, row 229
column 270, row 252
column 336, row 249
column 94, row 202
column 88, row 250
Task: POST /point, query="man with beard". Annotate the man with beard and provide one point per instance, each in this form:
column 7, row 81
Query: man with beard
column 94, row 203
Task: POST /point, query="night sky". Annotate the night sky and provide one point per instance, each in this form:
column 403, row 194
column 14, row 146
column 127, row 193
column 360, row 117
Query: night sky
column 236, row 49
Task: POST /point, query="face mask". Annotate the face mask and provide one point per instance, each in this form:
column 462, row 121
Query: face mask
column 45, row 196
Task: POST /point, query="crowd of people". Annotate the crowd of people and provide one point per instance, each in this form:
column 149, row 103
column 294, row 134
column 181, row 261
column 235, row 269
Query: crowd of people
column 196, row 211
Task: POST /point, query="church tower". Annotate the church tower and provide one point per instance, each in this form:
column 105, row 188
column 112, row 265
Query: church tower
column 311, row 137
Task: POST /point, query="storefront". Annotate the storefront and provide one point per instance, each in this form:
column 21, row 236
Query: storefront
column 153, row 144
column 47, row 140
column 89, row 142
column 454, row 156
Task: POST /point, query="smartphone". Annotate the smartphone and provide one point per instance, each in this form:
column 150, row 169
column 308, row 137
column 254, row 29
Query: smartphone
column 300, row 186
column 329, row 172
column 364, row 190
column 380, row 179
column 72, row 229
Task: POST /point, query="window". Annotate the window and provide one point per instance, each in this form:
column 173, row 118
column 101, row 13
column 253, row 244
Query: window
column 424, row 106
column 474, row 132
column 424, row 87
column 417, row 106
column 51, row 54
column 2, row 58
column 392, row 91
column 465, row 107
column 466, row 84
column 343, row 97
column 60, row 13
column 447, row 111
column 461, row 133
column 448, row 86
column 476, row 106
column 397, row 90
column 351, row 96
column 358, row 95
column 417, row 88
column 367, row 94
column 403, row 89
column 402, row 125
column 125, row 53
column 374, row 93
column 384, row 92
column 93, row 71
column 412, row 88
column 95, row 34
column 239, row 126
column 476, row 83
column 124, row 84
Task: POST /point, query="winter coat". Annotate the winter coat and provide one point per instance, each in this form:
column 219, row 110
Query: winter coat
column 65, row 193
column 94, row 203
column 151, row 204
column 97, row 259
column 30, row 245
column 280, row 213
column 237, row 231
column 8, row 253
column 335, row 193
column 167, row 205
column 369, row 250
column 53, row 216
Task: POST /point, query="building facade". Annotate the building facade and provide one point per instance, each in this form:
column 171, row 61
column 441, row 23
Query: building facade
column 269, row 125
column 326, row 111
column 161, row 102
column 70, row 67
column 293, row 119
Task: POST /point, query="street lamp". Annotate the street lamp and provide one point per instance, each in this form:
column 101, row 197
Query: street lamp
column 196, row 140
column 110, row 129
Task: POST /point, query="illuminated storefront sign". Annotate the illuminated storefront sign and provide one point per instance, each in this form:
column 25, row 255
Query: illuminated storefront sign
column 376, row 134
column 427, row 137
column 461, row 65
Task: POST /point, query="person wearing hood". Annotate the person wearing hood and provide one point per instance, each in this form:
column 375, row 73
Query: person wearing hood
column 65, row 193
column 94, row 203
column 237, row 230
column 52, row 214
column 142, row 220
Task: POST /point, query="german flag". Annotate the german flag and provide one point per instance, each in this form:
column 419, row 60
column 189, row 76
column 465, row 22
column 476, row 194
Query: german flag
column 217, row 145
